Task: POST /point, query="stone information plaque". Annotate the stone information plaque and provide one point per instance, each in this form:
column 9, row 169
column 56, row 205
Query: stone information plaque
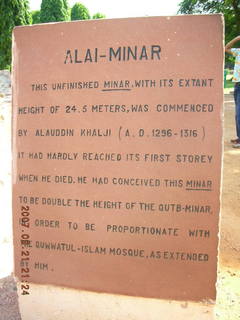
column 117, row 129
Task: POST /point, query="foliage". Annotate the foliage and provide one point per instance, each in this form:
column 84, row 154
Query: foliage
column 12, row 13
column 35, row 16
column 54, row 10
column 99, row 15
column 79, row 12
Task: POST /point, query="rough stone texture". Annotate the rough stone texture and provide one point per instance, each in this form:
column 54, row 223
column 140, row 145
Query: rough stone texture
column 9, row 309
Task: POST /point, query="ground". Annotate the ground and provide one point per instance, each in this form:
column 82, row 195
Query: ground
column 230, row 212
column 228, row 302
column 228, row 285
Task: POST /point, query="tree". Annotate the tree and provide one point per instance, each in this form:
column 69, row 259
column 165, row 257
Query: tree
column 54, row 10
column 99, row 15
column 12, row 13
column 79, row 12
column 35, row 16
column 230, row 9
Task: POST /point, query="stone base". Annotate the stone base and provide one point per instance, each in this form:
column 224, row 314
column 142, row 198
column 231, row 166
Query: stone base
column 57, row 303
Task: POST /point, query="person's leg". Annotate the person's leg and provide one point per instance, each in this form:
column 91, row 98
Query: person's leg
column 238, row 109
column 237, row 112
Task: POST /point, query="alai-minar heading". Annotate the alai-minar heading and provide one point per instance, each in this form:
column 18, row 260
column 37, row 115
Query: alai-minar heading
column 123, row 53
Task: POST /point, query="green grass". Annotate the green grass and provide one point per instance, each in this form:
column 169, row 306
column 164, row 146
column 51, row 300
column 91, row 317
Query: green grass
column 229, row 84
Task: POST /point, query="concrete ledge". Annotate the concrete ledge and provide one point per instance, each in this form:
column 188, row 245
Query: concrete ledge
column 56, row 303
